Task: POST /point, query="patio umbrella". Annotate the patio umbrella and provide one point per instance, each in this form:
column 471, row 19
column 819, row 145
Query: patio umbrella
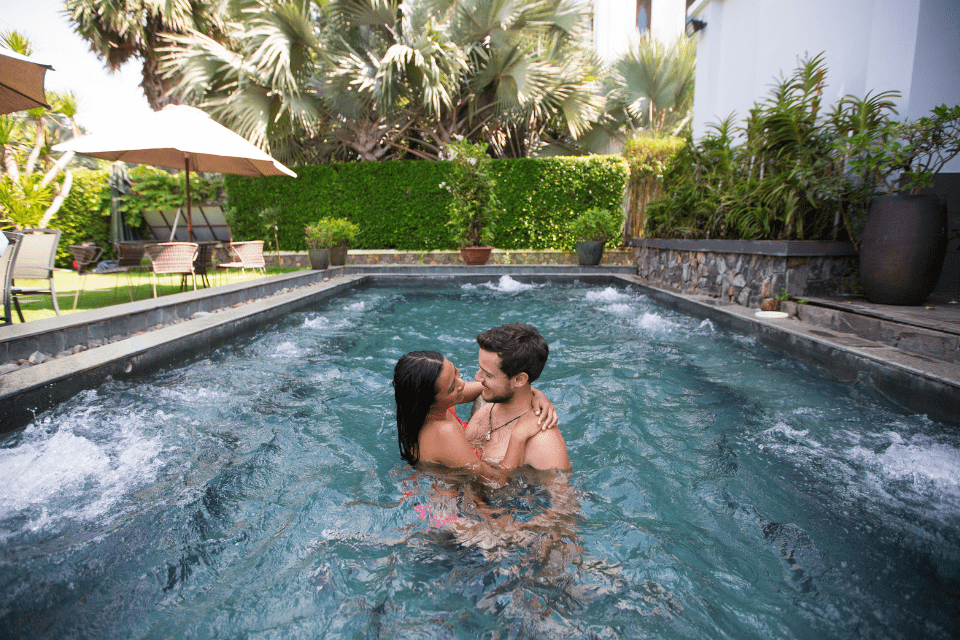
column 21, row 82
column 179, row 137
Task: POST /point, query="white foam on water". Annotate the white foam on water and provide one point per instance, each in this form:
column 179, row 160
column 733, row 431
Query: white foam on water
column 928, row 465
column 656, row 323
column 786, row 431
column 618, row 309
column 73, row 472
column 286, row 349
column 356, row 306
column 192, row 394
column 509, row 285
column 707, row 326
column 607, row 295
column 319, row 322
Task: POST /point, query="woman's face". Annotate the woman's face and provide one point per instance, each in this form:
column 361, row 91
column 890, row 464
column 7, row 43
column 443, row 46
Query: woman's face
column 449, row 386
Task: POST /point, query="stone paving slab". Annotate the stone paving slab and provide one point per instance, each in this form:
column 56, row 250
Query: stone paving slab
column 931, row 330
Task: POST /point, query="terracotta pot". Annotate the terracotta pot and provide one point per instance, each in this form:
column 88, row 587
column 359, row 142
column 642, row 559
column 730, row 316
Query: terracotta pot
column 770, row 304
column 476, row 255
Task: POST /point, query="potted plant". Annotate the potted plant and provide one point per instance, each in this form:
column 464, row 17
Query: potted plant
column 905, row 235
column 327, row 241
column 592, row 229
column 475, row 208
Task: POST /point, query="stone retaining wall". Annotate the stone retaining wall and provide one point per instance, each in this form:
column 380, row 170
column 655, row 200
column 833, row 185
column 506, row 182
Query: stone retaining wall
column 745, row 273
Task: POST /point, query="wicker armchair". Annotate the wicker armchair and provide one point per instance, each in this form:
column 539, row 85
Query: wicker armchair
column 249, row 255
column 172, row 257
column 38, row 250
column 7, row 258
column 84, row 255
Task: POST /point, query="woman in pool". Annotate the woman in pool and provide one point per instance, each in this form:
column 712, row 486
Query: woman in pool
column 427, row 386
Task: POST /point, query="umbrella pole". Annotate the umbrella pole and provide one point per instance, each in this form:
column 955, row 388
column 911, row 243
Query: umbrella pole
column 186, row 173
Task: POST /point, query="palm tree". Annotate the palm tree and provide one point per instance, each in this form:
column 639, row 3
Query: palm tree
column 527, row 72
column 119, row 30
column 649, row 90
column 255, row 78
column 374, row 79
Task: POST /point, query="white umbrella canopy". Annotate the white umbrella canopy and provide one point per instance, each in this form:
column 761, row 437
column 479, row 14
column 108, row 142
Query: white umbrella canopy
column 179, row 137
column 21, row 82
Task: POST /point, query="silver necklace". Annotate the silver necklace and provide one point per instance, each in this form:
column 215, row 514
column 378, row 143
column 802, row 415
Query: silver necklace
column 490, row 430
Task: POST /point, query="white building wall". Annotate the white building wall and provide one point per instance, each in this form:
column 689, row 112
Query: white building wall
column 912, row 46
column 615, row 24
column 668, row 20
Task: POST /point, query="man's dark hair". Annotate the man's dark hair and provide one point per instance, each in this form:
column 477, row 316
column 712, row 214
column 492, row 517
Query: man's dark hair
column 521, row 348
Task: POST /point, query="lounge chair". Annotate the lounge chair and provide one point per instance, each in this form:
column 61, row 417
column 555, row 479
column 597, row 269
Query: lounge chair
column 38, row 250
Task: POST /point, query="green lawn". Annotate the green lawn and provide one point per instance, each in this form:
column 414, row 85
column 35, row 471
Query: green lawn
column 104, row 290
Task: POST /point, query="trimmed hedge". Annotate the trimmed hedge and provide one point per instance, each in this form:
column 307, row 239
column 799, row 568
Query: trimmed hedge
column 85, row 214
column 400, row 204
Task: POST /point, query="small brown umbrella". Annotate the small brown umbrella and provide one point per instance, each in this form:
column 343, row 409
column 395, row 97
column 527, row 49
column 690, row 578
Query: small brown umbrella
column 21, row 82
column 179, row 137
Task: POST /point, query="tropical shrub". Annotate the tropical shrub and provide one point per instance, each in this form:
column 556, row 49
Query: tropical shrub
column 596, row 224
column 85, row 214
column 800, row 170
column 154, row 189
column 648, row 158
column 474, row 208
column 330, row 232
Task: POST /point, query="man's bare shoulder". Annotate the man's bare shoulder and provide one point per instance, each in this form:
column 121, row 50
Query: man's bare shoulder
column 547, row 450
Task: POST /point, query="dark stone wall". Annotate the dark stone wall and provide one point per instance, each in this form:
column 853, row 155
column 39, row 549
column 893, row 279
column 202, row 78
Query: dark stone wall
column 746, row 279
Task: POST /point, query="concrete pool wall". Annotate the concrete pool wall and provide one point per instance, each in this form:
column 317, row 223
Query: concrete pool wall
column 132, row 339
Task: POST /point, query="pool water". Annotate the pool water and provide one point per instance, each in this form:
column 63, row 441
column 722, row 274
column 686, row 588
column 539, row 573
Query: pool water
column 720, row 490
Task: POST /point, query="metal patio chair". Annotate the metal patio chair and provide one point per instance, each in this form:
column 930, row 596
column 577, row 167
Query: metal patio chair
column 38, row 250
column 6, row 275
column 130, row 255
column 248, row 255
column 172, row 257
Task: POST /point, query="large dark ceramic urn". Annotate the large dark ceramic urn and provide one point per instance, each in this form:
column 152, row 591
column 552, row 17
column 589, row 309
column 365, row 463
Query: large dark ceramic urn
column 903, row 247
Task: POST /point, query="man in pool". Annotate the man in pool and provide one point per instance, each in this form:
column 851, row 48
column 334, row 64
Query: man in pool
column 512, row 356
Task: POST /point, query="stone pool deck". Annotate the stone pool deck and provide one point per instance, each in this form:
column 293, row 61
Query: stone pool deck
column 910, row 356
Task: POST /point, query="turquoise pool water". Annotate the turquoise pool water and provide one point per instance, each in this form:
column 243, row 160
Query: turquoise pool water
column 720, row 490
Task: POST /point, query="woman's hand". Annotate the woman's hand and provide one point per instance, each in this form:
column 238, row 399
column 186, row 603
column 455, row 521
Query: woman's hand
column 526, row 430
column 545, row 410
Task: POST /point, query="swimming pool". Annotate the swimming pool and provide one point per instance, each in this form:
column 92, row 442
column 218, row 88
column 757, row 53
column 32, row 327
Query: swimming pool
column 720, row 490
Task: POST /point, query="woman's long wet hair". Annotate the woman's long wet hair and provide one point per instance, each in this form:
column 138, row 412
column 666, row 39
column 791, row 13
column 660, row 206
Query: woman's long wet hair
column 415, row 389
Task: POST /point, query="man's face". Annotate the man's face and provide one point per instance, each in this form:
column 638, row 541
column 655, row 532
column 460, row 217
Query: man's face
column 497, row 387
